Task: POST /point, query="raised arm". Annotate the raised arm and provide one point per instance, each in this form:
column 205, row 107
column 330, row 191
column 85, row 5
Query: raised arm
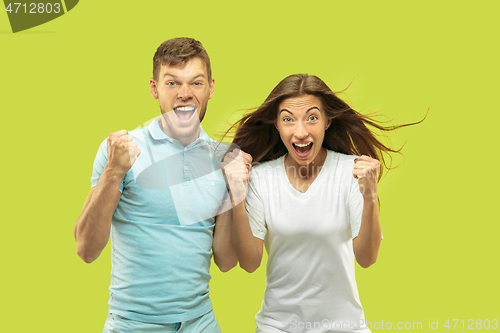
column 236, row 166
column 367, row 243
column 224, row 255
column 92, row 228
column 248, row 247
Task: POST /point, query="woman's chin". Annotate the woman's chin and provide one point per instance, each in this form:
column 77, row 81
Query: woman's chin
column 302, row 159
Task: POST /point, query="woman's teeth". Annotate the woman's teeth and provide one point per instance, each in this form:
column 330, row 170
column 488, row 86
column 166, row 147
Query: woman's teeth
column 302, row 147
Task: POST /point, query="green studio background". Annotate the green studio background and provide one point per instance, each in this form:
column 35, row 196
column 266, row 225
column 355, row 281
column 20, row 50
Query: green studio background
column 66, row 84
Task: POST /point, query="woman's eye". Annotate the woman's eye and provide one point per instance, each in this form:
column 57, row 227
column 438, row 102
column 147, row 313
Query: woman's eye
column 287, row 120
column 313, row 118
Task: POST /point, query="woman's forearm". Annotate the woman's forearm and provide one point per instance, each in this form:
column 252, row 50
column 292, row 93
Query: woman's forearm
column 367, row 243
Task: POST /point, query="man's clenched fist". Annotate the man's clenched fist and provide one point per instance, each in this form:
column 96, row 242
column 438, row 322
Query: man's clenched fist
column 236, row 166
column 122, row 152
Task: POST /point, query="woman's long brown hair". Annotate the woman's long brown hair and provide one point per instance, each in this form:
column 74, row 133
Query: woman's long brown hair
column 348, row 133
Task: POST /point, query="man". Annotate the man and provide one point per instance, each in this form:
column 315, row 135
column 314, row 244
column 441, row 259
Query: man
column 155, row 192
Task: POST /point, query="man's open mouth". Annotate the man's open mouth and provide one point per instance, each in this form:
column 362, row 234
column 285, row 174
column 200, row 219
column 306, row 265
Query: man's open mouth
column 302, row 149
column 184, row 113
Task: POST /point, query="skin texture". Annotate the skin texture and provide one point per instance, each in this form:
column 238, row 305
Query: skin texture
column 176, row 87
column 248, row 249
column 93, row 226
column 302, row 120
column 182, row 86
column 367, row 244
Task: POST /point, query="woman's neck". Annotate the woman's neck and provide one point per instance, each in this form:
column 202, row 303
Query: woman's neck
column 308, row 171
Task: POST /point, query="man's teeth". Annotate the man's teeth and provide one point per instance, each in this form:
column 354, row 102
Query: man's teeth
column 301, row 145
column 186, row 108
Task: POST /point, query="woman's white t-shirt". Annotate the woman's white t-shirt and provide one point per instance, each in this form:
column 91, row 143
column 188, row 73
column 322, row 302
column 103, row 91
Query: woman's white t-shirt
column 310, row 284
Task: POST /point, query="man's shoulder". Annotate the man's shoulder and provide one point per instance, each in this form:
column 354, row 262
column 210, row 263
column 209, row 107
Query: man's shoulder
column 218, row 149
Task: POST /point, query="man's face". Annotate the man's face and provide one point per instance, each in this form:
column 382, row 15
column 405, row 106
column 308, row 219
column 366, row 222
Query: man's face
column 183, row 94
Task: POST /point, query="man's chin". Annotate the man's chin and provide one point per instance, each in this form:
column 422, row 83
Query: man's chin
column 183, row 131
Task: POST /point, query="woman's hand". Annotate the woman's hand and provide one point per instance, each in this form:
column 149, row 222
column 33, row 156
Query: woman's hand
column 366, row 170
column 367, row 243
column 236, row 167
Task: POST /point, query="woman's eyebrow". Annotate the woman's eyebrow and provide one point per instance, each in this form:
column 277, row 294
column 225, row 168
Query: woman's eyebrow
column 312, row 108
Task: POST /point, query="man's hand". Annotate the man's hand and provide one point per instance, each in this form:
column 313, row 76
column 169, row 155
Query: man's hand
column 236, row 167
column 122, row 152
column 366, row 170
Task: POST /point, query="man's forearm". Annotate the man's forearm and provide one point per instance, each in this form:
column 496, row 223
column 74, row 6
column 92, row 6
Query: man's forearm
column 223, row 250
column 244, row 243
column 93, row 226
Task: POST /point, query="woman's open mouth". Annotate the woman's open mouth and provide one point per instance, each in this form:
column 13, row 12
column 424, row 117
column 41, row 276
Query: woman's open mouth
column 184, row 113
column 302, row 149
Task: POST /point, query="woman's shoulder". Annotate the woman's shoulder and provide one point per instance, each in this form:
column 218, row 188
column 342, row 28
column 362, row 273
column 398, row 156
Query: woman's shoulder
column 264, row 169
column 341, row 157
column 268, row 165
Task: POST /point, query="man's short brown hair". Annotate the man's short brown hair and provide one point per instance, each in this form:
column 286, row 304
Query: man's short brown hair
column 177, row 52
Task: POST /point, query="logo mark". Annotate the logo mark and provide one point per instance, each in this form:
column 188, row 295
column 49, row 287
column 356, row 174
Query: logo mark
column 26, row 15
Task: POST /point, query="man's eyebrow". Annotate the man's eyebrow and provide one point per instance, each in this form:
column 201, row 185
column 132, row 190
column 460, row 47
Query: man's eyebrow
column 198, row 76
column 193, row 78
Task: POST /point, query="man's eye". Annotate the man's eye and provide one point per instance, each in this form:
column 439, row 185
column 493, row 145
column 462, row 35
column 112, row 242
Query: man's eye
column 197, row 83
column 171, row 83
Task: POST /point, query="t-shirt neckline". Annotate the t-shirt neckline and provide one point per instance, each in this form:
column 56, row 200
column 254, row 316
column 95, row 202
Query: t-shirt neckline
column 313, row 186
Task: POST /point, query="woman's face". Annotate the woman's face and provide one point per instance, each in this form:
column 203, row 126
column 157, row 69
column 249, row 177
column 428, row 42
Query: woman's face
column 302, row 123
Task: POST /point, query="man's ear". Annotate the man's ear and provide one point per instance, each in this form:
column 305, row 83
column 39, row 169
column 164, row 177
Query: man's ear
column 152, row 88
column 212, row 87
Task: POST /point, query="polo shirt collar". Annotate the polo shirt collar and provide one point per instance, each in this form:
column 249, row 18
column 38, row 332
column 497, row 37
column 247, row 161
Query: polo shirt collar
column 157, row 133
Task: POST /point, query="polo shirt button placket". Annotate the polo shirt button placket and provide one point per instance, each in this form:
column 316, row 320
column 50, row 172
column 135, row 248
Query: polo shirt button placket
column 186, row 168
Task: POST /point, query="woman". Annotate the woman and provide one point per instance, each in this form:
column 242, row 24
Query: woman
column 311, row 201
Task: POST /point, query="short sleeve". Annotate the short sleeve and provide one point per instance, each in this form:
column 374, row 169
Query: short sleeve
column 255, row 208
column 99, row 163
column 355, row 205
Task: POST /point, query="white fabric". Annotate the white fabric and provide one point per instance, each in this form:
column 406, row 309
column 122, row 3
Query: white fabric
column 310, row 284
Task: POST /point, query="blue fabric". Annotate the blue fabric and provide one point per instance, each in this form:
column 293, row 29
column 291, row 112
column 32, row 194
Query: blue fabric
column 162, row 229
column 204, row 324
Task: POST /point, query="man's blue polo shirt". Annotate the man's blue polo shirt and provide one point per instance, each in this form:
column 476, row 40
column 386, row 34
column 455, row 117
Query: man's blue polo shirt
column 162, row 229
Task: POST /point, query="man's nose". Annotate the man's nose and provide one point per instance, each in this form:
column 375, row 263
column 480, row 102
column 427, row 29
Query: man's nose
column 184, row 92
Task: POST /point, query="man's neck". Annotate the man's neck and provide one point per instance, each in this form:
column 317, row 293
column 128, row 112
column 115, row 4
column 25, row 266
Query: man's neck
column 185, row 140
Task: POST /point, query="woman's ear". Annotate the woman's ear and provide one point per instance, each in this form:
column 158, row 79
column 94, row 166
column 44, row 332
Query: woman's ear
column 328, row 124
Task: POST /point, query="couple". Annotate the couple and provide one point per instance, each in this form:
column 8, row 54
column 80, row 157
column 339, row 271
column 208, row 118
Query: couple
column 161, row 194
